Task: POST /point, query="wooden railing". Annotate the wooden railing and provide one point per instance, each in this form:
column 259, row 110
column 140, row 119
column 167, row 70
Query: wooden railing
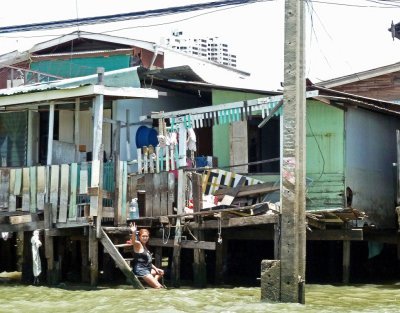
column 66, row 187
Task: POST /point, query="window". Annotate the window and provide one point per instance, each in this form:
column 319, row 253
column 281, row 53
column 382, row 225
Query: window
column 264, row 144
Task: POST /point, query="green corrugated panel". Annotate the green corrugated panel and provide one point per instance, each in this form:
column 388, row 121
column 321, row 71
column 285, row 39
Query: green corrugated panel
column 221, row 146
column 325, row 156
column 81, row 66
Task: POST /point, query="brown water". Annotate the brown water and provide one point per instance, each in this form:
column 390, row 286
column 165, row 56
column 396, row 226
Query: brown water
column 319, row 298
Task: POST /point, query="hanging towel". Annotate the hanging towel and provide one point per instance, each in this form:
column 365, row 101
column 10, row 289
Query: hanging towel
column 36, row 243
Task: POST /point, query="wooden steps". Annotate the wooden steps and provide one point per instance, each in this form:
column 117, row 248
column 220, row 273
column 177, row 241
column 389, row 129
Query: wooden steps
column 120, row 261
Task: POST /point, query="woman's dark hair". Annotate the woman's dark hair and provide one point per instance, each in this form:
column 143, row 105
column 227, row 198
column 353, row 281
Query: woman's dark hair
column 144, row 230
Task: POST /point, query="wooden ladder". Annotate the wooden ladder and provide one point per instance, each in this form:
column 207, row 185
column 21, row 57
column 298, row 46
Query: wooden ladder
column 119, row 260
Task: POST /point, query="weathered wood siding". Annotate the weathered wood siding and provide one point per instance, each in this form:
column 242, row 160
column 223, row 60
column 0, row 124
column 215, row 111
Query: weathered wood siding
column 385, row 87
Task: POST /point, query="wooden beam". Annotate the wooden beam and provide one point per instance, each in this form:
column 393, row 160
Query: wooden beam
column 21, row 227
column 185, row 244
column 336, row 234
column 237, row 222
column 62, row 232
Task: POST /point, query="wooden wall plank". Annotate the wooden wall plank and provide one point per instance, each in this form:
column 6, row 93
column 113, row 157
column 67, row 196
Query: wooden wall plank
column 41, row 187
column 171, row 193
column 72, row 212
column 64, row 184
column 25, row 190
column 18, row 182
column 118, row 199
column 32, row 189
column 4, row 187
column 95, row 182
column 156, row 195
column 124, row 190
column 83, row 179
column 54, row 183
column 148, row 182
column 164, row 193
column 12, row 199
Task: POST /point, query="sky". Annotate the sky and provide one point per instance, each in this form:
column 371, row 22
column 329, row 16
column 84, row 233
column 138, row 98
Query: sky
column 342, row 36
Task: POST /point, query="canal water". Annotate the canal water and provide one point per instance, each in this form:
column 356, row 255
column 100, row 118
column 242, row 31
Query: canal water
column 122, row 298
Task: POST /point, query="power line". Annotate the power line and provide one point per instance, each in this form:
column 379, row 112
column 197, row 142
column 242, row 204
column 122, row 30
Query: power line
column 123, row 16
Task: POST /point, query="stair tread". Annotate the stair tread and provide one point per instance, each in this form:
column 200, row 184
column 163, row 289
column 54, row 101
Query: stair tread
column 121, row 245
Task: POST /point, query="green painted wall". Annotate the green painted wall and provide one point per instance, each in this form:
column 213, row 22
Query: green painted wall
column 81, row 66
column 325, row 156
column 221, row 143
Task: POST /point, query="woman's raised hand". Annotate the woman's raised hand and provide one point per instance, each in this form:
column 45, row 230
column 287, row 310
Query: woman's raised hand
column 133, row 228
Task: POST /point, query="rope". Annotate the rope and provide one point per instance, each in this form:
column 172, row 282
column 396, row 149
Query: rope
column 165, row 239
column 219, row 240
column 190, row 232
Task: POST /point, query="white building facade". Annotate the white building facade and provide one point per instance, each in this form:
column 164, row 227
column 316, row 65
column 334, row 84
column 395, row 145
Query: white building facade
column 211, row 48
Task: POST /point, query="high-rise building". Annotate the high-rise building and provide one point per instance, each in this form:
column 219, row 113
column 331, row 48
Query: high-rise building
column 211, row 48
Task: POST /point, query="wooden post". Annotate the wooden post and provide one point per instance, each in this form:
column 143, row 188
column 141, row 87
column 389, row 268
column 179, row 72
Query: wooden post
column 293, row 169
column 158, row 257
column 199, row 260
column 97, row 163
column 176, row 254
column 93, row 256
column 85, row 272
column 128, row 137
column 50, row 134
column 76, row 129
column 346, row 261
column 20, row 250
column 117, row 174
column 49, row 245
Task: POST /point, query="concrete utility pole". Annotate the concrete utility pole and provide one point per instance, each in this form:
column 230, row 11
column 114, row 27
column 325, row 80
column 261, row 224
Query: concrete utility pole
column 293, row 228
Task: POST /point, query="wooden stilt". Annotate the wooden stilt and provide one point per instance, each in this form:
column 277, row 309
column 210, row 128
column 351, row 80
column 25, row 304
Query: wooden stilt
column 93, row 256
column 49, row 245
column 85, row 273
column 346, row 261
column 158, row 257
column 176, row 265
column 20, row 250
column 199, row 260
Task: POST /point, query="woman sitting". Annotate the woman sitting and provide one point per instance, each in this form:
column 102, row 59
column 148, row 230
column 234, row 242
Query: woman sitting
column 142, row 260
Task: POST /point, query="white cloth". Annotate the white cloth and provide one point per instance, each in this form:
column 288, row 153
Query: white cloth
column 5, row 235
column 191, row 141
column 36, row 243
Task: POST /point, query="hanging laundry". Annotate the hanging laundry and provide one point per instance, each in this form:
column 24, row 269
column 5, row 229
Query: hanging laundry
column 191, row 139
column 37, row 267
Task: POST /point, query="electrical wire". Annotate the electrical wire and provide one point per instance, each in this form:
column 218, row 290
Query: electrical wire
column 122, row 16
